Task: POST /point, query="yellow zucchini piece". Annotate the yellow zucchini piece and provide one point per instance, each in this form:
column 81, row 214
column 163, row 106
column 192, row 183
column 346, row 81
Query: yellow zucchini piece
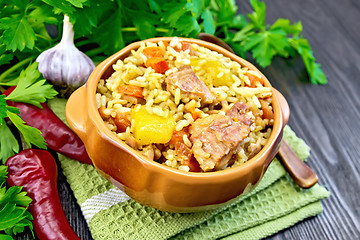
column 151, row 128
column 215, row 72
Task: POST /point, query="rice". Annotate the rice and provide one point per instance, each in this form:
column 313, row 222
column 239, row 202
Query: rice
column 225, row 79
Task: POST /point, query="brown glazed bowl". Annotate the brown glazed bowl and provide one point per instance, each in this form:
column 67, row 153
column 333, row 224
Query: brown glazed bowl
column 156, row 185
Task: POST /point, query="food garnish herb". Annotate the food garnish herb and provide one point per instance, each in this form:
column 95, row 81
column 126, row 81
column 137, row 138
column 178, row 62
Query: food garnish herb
column 30, row 89
column 14, row 216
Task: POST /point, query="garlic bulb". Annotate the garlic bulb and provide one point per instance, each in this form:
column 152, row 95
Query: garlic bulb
column 65, row 66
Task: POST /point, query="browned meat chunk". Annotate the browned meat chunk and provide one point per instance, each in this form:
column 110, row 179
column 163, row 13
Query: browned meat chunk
column 189, row 84
column 216, row 137
column 237, row 112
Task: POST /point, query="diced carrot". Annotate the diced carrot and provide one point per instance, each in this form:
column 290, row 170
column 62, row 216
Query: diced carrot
column 267, row 112
column 158, row 64
column 177, row 136
column 102, row 113
column 151, row 52
column 121, row 122
column 131, row 90
column 187, row 156
column 253, row 79
column 166, row 44
column 195, row 114
column 183, row 151
column 187, row 46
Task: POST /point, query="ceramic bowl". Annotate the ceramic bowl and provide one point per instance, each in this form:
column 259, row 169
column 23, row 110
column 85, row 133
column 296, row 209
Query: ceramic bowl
column 156, row 185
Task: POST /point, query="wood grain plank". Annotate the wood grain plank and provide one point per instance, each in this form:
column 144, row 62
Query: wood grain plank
column 326, row 117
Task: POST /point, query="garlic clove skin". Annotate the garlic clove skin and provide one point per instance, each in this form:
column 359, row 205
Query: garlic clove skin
column 65, row 66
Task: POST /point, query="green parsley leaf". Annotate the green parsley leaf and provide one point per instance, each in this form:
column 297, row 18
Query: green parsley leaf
column 143, row 21
column 209, row 23
column 77, row 3
column 8, row 143
column 112, row 39
column 258, row 16
column 34, row 94
column 14, row 195
column 3, row 108
column 60, row 6
column 226, row 10
column 281, row 38
column 87, row 18
column 20, row 226
column 265, row 45
column 10, row 214
column 4, row 56
column 244, row 33
column 32, row 136
column 238, row 22
column 38, row 18
column 14, row 216
column 18, row 33
column 43, row 15
column 154, row 6
column 5, row 237
column 31, row 90
column 3, row 174
column 302, row 46
column 188, row 25
column 285, row 25
column 19, row 4
column 173, row 12
column 196, row 7
column 13, row 109
column 30, row 74
column 180, row 19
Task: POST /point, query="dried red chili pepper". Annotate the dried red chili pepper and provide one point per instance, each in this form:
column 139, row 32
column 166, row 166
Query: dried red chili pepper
column 36, row 171
column 57, row 135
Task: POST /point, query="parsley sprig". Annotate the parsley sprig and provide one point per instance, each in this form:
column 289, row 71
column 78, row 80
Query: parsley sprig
column 30, row 89
column 14, row 216
column 281, row 38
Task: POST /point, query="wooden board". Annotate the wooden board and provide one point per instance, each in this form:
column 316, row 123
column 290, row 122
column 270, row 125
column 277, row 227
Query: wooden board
column 326, row 117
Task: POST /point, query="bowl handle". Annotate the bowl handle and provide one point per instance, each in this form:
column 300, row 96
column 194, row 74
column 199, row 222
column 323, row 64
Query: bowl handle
column 75, row 112
column 285, row 110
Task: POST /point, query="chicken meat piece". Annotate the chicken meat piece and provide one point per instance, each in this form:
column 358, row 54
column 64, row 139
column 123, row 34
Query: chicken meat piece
column 216, row 137
column 189, row 84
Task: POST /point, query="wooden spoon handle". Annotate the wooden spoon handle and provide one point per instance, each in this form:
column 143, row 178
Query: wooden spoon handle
column 299, row 171
column 213, row 39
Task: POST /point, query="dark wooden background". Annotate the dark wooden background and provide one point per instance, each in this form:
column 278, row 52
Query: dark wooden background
column 326, row 117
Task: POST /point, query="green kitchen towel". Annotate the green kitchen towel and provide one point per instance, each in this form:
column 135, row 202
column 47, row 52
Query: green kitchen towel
column 276, row 203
